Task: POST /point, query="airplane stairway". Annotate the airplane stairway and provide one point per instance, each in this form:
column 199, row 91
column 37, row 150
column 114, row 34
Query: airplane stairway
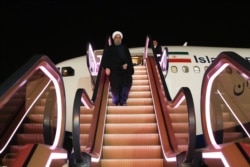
column 131, row 137
column 178, row 116
column 85, row 123
column 30, row 132
column 231, row 128
column 32, row 114
column 225, row 119
column 179, row 121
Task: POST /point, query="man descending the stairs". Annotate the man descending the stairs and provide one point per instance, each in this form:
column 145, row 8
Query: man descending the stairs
column 117, row 62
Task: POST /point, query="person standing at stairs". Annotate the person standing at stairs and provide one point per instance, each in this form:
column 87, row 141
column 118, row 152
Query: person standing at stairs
column 157, row 49
column 117, row 62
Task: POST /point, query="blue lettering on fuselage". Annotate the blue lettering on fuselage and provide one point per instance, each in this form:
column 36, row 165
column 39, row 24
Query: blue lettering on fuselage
column 206, row 59
column 203, row 59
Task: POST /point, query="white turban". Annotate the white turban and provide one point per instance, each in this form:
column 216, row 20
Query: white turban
column 117, row 33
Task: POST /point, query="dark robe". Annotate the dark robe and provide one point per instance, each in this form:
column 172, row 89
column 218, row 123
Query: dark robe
column 157, row 50
column 113, row 58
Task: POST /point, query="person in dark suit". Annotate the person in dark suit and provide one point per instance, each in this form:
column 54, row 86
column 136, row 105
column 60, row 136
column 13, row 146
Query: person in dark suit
column 157, row 50
column 117, row 62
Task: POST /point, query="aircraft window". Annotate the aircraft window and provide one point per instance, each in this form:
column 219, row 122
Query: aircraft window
column 185, row 69
column 197, row 69
column 174, row 69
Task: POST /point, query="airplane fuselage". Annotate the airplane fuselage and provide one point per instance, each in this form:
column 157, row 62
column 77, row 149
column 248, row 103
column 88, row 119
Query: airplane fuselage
column 186, row 68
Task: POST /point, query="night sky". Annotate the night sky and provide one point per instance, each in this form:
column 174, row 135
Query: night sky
column 62, row 29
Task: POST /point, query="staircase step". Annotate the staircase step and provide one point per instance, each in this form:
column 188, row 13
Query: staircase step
column 140, row 72
column 226, row 116
column 127, row 118
column 86, row 118
column 132, row 162
column 179, row 109
column 130, row 110
column 23, row 139
column 131, row 152
column 84, row 128
column 38, row 109
column 140, row 77
column 141, row 94
column 85, row 110
column 182, row 148
column 131, row 128
column 139, row 88
column 178, row 117
column 33, row 128
column 36, row 118
column 229, row 126
column 180, row 127
column 139, row 67
column 84, row 139
column 131, row 139
column 43, row 101
column 182, row 141
column 140, row 82
column 181, row 135
column 135, row 102
column 136, row 94
column 230, row 137
column 16, row 148
column 8, row 159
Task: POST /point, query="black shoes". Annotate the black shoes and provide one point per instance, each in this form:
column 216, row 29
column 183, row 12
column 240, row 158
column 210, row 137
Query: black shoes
column 123, row 104
column 114, row 104
column 117, row 104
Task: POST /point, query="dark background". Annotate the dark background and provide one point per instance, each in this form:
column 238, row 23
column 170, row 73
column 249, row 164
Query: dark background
column 62, row 29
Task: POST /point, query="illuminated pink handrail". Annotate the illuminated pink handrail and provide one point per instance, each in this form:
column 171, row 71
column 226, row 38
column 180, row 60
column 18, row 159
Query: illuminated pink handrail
column 39, row 67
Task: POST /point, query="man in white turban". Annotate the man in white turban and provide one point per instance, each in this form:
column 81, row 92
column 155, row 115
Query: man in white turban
column 117, row 62
column 117, row 33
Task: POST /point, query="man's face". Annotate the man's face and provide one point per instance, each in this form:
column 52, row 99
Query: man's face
column 154, row 43
column 117, row 39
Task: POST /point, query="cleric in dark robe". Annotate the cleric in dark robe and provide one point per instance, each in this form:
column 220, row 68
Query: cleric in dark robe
column 118, row 65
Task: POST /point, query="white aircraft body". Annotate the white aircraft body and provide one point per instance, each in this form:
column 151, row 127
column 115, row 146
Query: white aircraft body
column 186, row 68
